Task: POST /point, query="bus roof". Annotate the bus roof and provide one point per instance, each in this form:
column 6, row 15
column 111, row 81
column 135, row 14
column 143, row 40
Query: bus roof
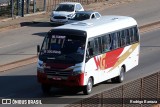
column 105, row 24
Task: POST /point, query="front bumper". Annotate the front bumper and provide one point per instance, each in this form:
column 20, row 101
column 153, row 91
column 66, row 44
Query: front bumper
column 70, row 81
column 58, row 21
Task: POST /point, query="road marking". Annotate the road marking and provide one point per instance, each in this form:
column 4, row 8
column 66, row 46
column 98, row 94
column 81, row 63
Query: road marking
column 8, row 45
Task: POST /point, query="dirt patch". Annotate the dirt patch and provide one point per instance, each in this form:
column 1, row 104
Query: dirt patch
column 158, row 105
column 19, row 21
column 107, row 4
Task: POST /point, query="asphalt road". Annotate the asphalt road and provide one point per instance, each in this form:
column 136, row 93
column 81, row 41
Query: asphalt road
column 22, row 83
column 21, row 43
column 144, row 11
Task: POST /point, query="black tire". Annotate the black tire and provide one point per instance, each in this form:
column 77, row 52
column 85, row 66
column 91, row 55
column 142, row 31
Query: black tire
column 45, row 88
column 114, row 80
column 120, row 78
column 88, row 88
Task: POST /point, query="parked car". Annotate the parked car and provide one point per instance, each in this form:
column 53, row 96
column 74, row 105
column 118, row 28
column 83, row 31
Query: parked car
column 65, row 11
column 84, row 15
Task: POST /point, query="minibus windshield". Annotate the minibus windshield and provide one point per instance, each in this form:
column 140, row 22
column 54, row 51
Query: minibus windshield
column 63, row 48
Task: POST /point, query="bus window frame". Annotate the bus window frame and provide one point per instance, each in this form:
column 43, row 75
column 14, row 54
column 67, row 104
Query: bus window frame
column 118, row 33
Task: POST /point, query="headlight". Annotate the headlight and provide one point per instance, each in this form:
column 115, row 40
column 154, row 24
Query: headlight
column 40, row 66
column 52, row 14
column 76, row 72
column 70, row 15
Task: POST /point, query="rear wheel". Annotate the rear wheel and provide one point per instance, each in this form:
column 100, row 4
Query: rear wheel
column 88, row 88
column 46, row 88
column 119, row 78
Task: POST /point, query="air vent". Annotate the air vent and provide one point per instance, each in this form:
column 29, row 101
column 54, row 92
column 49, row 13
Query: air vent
column 82, row 24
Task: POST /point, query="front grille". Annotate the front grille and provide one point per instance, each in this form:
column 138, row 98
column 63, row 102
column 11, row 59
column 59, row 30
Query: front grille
column 60, row 17
column 58, row 73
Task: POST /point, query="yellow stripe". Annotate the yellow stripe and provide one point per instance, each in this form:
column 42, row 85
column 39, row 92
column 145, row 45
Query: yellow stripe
column 124, row 56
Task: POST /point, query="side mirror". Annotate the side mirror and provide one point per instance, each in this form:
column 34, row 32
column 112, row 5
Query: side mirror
column 76, row 10
column 89, row 54
column 38, row 49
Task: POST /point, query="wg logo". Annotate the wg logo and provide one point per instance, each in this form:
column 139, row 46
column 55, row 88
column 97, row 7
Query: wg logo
column 6, row 101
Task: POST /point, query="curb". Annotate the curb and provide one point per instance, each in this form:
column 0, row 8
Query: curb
column 150, row 26
column 19, row 63
column 8, row 19
column 33, row 59
column 158, row 105
column 18, row 25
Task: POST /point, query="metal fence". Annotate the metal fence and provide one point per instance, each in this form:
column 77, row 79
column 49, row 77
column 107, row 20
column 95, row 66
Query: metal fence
column 12, row 8
column 143, row 92
column 5, row 7
column 51, row 4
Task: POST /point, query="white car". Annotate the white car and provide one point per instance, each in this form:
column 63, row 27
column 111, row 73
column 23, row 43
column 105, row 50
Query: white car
column 65, row 11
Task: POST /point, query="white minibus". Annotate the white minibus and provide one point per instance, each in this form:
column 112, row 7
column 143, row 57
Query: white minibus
column 88, row 52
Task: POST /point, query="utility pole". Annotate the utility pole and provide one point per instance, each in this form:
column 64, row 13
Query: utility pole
column 27, row 5
column 12, row 6
column 22, row 8
column 34, row 6
column 44, row 5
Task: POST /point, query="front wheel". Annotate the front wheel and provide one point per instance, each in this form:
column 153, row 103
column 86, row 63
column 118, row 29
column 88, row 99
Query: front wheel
column 88, row 88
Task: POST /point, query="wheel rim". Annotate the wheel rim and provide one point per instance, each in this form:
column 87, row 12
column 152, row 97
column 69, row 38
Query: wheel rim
column 122, row 75
column 89, row 86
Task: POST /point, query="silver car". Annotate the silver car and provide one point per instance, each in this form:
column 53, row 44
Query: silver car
column 64, row 11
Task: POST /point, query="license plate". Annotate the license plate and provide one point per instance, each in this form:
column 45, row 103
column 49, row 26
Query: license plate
column 54, row 77
column 60, row 20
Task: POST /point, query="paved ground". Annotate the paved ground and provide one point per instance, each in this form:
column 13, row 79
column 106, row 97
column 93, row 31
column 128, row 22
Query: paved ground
column 10, row 23
column 18, row 44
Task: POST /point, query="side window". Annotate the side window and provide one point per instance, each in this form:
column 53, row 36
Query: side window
column 118, row 39
column 122, row 38
column 94, row 46
column 90, row 47
column 128, row 41
column 78, row 7
column 136, row 35
column 93, row 16
column 96, row 49
column 106, row 43
column 100, row 44
column 114, row 41
column 132, row 35
column 97, row 15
